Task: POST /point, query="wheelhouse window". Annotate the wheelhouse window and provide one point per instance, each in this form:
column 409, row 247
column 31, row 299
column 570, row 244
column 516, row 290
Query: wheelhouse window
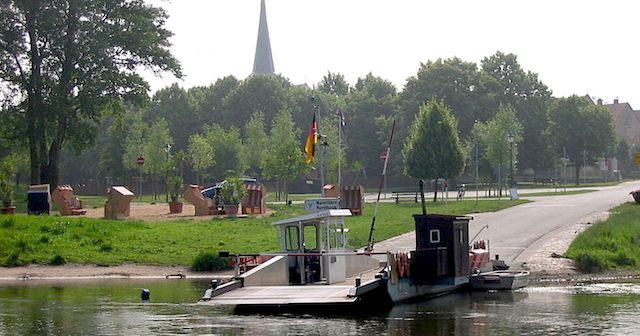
column 292, row 238
column 434, row 236
column 310, row 237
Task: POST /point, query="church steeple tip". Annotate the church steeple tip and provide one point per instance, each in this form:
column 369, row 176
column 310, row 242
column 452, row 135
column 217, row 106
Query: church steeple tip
column 263, row 61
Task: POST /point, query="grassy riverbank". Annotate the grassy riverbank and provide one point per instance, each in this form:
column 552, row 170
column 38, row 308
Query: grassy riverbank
column 613, row 244
column 58, row 240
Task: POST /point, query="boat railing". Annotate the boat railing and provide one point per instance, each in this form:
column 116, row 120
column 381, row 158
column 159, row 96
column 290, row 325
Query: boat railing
column 248, row 261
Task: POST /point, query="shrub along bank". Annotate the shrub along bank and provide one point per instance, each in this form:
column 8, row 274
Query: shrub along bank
column 613, row 244
column 57, row 240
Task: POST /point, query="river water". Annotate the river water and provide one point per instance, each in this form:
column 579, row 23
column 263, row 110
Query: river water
column 114, row 307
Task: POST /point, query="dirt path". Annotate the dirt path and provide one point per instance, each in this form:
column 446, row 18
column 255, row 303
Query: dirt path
column 160, row 213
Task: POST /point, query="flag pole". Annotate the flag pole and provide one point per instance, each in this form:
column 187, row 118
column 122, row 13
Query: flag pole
column 369, row 247
column 320, row 144
column 339, row 150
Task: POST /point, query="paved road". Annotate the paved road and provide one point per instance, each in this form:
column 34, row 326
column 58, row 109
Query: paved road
column 515, row 233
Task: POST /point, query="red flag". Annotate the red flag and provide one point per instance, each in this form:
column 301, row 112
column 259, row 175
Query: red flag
column 312, row 139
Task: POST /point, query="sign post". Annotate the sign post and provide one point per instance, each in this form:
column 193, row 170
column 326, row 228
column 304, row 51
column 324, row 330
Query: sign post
column 140, row 162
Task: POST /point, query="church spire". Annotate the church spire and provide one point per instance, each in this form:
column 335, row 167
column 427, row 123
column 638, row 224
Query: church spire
column 263, row 62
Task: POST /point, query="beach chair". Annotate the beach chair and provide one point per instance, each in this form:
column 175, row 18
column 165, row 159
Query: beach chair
column 204, row 205
column 352, row 198
column 39, row 199
column 67, row 202
column 118, row 204
column 255, row 202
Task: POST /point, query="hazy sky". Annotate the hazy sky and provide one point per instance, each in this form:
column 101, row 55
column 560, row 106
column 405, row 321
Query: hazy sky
column 576, row 47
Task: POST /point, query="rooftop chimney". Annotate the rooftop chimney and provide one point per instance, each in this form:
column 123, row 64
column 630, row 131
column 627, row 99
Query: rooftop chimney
column 599, row 101
column 615, row 101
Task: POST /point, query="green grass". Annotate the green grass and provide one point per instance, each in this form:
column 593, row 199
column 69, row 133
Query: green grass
column 57, row 240
column 612, row 244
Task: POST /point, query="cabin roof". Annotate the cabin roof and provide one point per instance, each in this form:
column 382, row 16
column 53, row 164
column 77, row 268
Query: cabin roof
column 315, row 216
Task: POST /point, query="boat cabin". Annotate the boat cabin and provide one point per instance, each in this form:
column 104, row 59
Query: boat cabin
column 442, row 248
column 313, row 243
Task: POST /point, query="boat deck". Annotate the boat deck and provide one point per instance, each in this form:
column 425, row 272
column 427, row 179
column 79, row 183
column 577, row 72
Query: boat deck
column 285, row 295
column 315, row 294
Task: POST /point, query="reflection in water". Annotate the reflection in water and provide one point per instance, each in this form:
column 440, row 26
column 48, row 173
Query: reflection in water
column 114, row 307
column 454, row 314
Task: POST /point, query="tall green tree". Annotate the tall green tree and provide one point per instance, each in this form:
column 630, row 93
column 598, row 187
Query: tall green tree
column 372, row 98
column 334, row 83
column 285, row 159
column 256, row 142
column 494, row 138
column 625, row 157
column 201, row 155
column 173, row 104
column 208, row 101
column 531, row 100
column 584, row 130
column 264, row 93
column 433, row 148
column 150, row 142
column 229, row 149
column 69, row 60
column 469, row 93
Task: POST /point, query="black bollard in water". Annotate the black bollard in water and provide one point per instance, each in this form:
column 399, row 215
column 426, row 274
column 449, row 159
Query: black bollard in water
column 145, row 294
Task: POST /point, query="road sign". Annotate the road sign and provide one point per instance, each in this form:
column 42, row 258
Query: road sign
column 321, row 204
column 383, row 156
column 140, row 161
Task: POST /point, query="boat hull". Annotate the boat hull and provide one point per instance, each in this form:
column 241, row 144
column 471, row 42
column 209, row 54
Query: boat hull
column 406, row 290
column 500, row 280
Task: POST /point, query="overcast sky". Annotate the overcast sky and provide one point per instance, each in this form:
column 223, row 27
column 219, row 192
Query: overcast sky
column 576, row 47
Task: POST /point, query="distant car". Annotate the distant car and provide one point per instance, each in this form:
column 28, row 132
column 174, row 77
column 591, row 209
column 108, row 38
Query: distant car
column 213, row 192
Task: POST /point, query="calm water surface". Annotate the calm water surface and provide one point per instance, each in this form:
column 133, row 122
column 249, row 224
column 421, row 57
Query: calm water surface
column 113, row 307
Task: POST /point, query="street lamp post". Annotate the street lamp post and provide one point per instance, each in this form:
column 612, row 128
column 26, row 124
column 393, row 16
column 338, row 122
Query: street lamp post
column 167, row 149
column 511, row 138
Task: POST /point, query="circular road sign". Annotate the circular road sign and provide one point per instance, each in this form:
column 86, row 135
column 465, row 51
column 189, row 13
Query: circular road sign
column 140, row 161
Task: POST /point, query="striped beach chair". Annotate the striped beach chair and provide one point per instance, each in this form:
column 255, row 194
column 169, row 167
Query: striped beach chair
column 352, row 198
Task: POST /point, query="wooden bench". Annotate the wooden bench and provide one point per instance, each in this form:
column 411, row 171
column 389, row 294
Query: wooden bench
column 544, row 181
column 405, row 196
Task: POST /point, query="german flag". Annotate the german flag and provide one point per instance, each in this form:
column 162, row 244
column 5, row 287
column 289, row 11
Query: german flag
column 312, row 139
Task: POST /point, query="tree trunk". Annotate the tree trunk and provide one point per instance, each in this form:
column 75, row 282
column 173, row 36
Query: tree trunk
column 50, row 171
column 435, row 191
column 285, row 191
column 35, row 125
column 577, row 174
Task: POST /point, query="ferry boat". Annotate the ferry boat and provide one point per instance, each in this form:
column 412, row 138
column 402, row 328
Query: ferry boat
column 317, row 268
